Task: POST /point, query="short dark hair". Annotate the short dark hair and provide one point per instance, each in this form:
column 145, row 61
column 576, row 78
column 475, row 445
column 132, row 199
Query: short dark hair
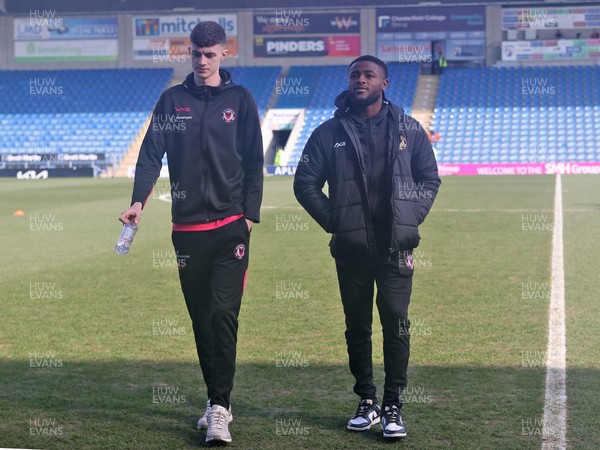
column 372, row 59
column 208, row 33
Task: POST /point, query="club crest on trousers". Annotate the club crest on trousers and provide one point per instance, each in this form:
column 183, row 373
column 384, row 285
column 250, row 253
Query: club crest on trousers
column 239, row 251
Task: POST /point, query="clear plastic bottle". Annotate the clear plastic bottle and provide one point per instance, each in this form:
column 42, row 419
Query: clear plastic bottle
column 126, row 237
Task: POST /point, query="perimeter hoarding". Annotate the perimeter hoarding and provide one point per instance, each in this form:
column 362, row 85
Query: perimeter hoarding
column 295, row 21
column 563, row 168
column 551, row 50
column 406, row 34
column 442, row 18
column 67, row 51
column 167, row 37
column 297, row 33
column 49, row 38
column 38, row 29
column 540, row 18
column 51, row 158
column 42, row 174
column 317, row 46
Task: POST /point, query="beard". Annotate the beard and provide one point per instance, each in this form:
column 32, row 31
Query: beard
column 364, row 102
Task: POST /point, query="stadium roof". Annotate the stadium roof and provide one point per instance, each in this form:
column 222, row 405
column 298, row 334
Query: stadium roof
column 72, row 6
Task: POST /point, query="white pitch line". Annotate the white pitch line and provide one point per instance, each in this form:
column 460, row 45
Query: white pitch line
column 554, row 430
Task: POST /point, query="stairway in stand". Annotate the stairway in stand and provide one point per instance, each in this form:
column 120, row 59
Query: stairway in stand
column 424, row 99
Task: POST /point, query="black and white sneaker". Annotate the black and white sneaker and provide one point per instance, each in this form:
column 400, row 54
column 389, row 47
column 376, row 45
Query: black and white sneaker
column 391, row 422
column 366, row 415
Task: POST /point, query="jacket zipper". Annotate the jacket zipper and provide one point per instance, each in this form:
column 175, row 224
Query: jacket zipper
column 372, row 167
column 205, row 150
column 356, row 144
column 394, row 187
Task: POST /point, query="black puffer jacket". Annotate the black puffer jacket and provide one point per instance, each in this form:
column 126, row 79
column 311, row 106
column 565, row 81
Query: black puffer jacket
column 333, row 155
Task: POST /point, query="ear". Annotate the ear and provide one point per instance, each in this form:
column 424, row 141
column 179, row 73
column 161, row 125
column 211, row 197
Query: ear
column 190, row 51
column 384, row 84
column 224, row 53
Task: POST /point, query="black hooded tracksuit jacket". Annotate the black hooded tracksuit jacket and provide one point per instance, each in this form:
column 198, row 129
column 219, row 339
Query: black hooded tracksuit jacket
column 214, row 150
column 213, row 142
column 369, row 217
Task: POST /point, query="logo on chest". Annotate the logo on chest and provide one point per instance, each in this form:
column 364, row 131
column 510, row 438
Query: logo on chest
column 403, row 143
column 228, row 115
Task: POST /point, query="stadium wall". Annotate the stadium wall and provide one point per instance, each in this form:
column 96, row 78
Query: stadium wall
column 245, row 37
column 5, row 40
column 493, row 34
column 16, row 6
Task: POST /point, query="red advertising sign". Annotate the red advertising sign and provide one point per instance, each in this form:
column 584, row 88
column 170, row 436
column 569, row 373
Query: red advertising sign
column 318, row 46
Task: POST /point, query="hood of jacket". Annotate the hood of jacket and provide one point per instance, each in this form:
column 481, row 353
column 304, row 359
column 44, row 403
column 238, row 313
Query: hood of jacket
column 209, row 91
column 342, row 102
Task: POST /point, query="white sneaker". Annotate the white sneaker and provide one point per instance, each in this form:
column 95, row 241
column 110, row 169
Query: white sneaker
column 203, row 421
column 218, row 424
column 391, row 422
column 367, row 414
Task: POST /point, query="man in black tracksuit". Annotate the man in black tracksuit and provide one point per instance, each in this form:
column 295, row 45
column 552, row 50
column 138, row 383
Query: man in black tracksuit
column 383, row 179
column 210, row 130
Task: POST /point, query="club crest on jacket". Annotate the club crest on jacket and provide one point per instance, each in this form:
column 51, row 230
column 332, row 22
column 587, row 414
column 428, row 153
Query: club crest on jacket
column 403, row 143
column 228, row 115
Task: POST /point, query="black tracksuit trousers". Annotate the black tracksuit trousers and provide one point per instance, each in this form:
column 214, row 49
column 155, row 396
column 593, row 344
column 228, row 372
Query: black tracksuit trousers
column 394, row 285
column 212, row 270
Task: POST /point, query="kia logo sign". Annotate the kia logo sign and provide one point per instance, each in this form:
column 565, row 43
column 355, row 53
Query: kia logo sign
column 32, row 175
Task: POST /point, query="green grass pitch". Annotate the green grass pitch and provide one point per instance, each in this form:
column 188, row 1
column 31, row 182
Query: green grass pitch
column 97, row 352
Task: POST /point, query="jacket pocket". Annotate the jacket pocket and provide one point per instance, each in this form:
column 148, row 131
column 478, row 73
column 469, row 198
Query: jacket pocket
column 405, row 237
column 406, row 265
column 349, row 245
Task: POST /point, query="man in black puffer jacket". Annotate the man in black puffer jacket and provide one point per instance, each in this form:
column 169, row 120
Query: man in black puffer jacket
column 383, row 179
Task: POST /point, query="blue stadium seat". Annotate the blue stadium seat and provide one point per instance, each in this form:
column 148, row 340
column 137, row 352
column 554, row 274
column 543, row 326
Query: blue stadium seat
column 259, row 80
column 70, row 111
column 517, row 109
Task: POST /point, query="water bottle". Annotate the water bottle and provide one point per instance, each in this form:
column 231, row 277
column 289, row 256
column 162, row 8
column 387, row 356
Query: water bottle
column 126, row 237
